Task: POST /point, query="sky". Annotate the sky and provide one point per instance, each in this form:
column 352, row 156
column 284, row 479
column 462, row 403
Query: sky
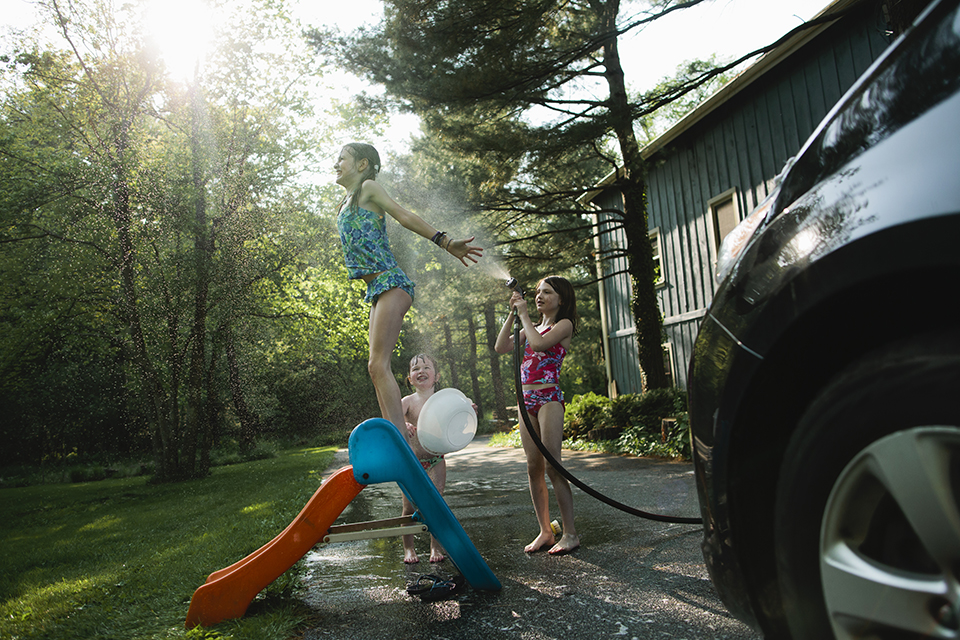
column 728, row 28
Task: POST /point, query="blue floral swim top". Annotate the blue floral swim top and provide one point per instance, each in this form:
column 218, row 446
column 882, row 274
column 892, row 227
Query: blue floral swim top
column 366, row 248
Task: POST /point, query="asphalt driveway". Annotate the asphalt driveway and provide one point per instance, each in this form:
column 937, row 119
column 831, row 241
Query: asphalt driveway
column 631, row 578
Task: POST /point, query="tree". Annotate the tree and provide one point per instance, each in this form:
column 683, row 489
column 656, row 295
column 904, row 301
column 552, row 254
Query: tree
column 663, row 118
column 454, row 305
column 169, row 225
column 517, row 79
column 536, row 87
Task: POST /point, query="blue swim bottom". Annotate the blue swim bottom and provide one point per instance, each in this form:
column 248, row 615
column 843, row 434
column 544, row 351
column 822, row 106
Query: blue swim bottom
column 430, row 463
column 534, row 399
column 390, row 279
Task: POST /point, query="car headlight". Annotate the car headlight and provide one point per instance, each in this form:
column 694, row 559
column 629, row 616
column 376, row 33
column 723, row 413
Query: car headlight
column 733, row 244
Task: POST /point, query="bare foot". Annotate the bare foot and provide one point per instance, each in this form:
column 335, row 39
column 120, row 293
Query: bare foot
column 569, row 542
column 541, row 541
column 436, row 555
column 410, row 556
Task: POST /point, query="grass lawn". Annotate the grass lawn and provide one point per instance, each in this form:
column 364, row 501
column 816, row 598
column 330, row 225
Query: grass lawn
column 120, row 559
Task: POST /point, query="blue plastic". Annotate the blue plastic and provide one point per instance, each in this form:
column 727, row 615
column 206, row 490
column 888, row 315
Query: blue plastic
column 378, row 454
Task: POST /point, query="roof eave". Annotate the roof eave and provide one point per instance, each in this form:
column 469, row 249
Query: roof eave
column 763, row 65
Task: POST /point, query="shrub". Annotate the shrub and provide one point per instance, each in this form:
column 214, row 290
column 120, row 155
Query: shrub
column 676, row 446
column 91, row 473
column 639, row 415
column 644, row 436
column 262, row 450
column 657, row 404
column 584, row 413
column 623, row 409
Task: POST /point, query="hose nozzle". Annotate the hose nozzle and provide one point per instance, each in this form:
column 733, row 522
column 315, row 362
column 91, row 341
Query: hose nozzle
column 512, row 284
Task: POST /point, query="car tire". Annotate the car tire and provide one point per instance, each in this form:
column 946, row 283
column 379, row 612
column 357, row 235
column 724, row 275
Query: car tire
column 867, row 522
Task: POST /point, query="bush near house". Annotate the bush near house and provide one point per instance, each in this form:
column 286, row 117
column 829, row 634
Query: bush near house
column 585, row 413
column 634, row 421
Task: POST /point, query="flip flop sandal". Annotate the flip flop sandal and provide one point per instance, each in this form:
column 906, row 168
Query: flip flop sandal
column 423, row 584
column 445, row 589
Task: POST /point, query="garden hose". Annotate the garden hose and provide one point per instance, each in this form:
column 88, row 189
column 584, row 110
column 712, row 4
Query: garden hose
column 521, row 409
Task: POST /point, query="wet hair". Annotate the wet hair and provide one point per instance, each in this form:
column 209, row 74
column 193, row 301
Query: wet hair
column 568, row 299
column 362, row 151
column 431, row 360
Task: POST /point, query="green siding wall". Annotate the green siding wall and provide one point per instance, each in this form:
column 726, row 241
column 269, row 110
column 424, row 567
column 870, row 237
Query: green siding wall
column 742, row 145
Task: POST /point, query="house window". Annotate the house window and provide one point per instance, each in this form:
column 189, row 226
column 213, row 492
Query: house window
column 668, row 363
column 655, row 252
column 669, row 371
column 724, row 215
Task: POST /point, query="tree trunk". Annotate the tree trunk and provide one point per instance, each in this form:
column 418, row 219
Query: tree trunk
column 249, row 424
column 499, row 402
column 154, row 399
column 472, row 363
column 646, row 310
column 451, row 357
column 203, row 254
column 212, row 408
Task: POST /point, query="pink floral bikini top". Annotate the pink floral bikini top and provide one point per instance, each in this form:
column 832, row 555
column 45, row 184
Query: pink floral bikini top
column 542, row 367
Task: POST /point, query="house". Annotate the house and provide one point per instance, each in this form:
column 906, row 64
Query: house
column 711, row 169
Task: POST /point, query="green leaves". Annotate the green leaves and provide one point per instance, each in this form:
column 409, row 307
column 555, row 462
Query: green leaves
column 160, row 245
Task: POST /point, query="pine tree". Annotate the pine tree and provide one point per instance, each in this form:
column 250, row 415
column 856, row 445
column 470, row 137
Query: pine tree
column 537, row 88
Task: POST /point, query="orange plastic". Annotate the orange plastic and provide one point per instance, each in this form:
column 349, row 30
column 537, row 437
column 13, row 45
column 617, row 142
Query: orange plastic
column 228, row 592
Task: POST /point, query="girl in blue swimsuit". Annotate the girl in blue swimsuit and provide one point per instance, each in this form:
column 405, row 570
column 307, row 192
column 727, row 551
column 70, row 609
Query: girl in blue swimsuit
column 362, row 225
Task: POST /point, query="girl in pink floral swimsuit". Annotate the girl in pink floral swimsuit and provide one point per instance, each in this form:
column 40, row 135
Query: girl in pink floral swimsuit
column 546, row 345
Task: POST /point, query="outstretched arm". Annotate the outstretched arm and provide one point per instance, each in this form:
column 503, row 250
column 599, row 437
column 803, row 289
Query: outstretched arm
column 374, row 194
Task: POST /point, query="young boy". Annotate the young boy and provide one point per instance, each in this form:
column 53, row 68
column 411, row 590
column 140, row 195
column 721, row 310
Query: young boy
column 423, row 378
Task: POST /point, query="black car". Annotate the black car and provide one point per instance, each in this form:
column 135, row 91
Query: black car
column 824, row 388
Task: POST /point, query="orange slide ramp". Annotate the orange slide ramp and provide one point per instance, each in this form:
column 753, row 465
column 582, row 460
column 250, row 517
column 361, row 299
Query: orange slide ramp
column 228, row 592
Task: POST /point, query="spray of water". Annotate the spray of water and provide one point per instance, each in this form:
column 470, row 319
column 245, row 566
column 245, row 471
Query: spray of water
column 493, row 266
column 442, row 278
column 447, row 213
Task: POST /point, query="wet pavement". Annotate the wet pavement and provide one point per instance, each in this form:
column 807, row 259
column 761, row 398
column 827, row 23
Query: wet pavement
column 631, row 578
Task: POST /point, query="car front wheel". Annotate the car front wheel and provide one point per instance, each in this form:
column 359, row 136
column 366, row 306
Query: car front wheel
column 867, row 515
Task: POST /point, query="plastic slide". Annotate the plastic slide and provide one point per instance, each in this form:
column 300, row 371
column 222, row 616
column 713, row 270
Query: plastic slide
column 379, row 453
column 228, row 592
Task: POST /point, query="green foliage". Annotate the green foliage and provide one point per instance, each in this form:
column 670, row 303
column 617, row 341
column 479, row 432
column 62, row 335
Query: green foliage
column 584, row 413
column 623, row 408
column 692, row 83
column 646, row 410
column 642, row 442
column 230, row 451
column 638, row 416
column 164, row 276
column 506, row 84
column 74, row 468
column 171, row 280
column 509, row 439
column 643, row 426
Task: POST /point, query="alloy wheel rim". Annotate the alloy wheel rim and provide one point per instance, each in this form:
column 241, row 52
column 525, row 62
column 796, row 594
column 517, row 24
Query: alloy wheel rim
column 890, row 538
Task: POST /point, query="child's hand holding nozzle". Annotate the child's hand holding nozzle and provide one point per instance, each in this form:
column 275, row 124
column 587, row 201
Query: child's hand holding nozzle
column 518, row 304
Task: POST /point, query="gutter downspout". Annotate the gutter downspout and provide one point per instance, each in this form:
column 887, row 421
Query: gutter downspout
column 602, row 294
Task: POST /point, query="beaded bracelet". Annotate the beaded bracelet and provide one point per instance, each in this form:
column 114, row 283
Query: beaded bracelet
column 438, row 237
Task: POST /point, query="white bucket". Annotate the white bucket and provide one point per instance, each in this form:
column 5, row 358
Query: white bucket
column 447, row 422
